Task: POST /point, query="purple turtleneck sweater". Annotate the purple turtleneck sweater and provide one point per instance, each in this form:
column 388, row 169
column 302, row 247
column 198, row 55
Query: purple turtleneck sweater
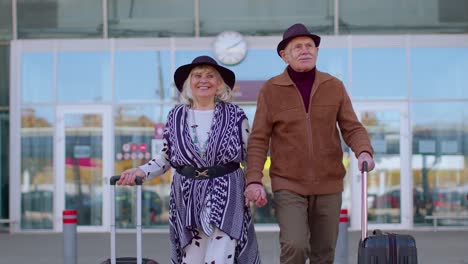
column 303, row 82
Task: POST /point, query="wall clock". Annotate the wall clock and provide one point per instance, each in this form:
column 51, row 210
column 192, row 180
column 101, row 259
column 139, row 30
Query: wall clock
column 230, row 47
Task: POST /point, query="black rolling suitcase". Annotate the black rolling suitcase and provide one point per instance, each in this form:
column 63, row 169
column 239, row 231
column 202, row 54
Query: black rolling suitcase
column 382, row 247
column 126, row 260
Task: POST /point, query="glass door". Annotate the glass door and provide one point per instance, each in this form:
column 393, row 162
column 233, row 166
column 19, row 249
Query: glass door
column 389, row 184
column 84, row 156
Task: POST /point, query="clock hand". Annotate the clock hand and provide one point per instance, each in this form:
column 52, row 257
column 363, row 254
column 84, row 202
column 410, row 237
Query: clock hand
column 234, row 45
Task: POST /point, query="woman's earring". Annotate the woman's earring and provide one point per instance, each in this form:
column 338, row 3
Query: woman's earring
column 216, row 99
column 190, row 100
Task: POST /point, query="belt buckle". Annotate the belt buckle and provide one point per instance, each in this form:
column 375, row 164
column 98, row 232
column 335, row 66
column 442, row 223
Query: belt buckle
column 199, row 174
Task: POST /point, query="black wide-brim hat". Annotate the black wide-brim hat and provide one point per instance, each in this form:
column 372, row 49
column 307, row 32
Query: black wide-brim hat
column 296, row 30
column 183, row 71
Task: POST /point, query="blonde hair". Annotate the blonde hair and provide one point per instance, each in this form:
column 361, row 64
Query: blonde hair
column 223, row 92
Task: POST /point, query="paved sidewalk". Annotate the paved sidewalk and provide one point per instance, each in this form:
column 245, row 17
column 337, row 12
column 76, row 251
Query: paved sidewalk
column 442, row 247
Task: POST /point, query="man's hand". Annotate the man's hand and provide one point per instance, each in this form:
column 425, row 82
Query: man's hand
column 128, row 177
column 255, row 193
column 364, row 156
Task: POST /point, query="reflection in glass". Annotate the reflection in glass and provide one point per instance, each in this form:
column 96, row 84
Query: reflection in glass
column 4, row 163
column 379, row 73
column 249, row 110
column 142, row 75
column 4, row 75
column 37, row 77
column 264, row 17
column 138, row 137
column 37, row 182
column 411, row 16
column 264, row 214
column 84, row 77
column 59, row 19
column 83, row 167
column 440, row 158
column 267, row 60
column 140, row 18
column 250, row 79
column 347, row 194
column 5, row 19
column 451, row 68
column 334, row 62
column 383, row 183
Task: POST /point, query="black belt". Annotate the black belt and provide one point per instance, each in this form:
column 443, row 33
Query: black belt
column 209, row 172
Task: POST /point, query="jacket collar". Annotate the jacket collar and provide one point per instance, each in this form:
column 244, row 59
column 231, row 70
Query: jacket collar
column 284, row 80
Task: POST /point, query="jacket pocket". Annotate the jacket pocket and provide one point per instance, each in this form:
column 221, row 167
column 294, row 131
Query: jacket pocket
column 324, row 127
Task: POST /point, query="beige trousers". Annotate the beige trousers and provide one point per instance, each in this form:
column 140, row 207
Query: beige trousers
column 308, row 226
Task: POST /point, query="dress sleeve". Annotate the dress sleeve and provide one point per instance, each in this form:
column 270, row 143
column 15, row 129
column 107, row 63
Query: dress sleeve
column 158, row 165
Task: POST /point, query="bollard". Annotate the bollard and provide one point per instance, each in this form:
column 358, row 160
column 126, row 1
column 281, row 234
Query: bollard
column 341, row 251
column 69, row 236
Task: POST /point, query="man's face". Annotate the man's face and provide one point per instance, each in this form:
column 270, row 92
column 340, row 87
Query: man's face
column 300, row 54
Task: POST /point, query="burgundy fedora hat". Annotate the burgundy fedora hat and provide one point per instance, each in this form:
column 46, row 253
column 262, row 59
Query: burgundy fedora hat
column 296, row 30
column 183, row 71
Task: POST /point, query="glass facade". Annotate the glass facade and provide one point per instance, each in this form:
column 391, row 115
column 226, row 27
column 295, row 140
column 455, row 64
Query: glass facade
column 379, row 73
column 4, row 164
column 37, row 82
column 137, row 84
column 37, row 167
column 142, row 18
column 126, row 63
column 148, row 71
column 59, row 19
column 4, row 129
column 92, row 84
column 138, row 137
column 450, row 80
column 264, row 17
column 440, row 158
column 402, row 17
column 4, row 75
column 384, row 183
column 5, row 20
column 83, row 166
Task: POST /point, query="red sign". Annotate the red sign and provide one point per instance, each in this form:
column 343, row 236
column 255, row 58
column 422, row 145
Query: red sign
column 143, row 147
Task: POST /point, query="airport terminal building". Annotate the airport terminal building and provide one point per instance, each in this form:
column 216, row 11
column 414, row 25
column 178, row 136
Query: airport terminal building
column 85, row 87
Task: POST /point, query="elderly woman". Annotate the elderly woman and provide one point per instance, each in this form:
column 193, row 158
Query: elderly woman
column 205, row 141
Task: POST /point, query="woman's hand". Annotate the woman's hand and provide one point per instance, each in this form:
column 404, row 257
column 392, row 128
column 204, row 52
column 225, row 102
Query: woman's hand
column 128, row 177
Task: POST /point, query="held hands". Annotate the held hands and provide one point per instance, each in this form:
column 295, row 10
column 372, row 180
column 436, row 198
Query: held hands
column 255, row 193
column 364, row 156
column 128, row 177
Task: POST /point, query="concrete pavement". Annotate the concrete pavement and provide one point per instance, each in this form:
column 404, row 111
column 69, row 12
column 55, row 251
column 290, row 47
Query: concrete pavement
column 442, row 247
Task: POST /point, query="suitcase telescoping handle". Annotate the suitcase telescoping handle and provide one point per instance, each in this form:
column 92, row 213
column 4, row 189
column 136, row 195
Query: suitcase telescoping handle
column 138, row 182
column 364, row 201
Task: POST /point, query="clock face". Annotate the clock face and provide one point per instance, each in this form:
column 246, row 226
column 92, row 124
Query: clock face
column 230, row 47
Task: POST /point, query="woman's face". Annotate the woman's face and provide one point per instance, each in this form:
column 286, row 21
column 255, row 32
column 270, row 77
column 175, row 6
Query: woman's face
column 205, row 82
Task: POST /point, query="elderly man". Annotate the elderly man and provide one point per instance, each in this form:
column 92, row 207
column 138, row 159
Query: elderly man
column 297, row 116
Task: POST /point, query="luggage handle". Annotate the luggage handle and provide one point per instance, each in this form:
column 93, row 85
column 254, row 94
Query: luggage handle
column 114, row 179
column 364, row 201
column 138, row 182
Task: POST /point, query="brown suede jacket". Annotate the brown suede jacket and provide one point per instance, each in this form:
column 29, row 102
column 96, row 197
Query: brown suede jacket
column 305, row 147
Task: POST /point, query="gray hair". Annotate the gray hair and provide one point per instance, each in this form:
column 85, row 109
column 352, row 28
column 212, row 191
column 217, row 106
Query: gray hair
column 223, row 92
